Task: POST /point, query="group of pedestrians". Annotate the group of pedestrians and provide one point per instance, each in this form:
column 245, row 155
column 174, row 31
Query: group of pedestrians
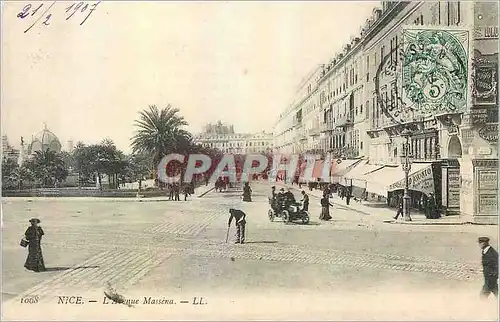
column 174, row 191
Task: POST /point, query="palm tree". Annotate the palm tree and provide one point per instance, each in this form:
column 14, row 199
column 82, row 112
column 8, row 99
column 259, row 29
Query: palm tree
column 159, row 133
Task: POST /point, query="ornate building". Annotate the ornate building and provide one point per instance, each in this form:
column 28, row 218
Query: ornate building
column 43, row 141
column 222, row 137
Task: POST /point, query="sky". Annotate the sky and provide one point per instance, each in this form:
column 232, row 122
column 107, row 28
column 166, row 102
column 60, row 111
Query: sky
column 239, row 62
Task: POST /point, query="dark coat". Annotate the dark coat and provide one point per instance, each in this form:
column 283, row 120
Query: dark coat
column 490, row 263
column 305, row 202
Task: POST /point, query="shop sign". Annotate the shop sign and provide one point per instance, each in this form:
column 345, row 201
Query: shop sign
column 454, row 188
column 488, row 204
column 485, row 84
column 422, row 181
column 483, row 115
column 489, row 133
column 488, row 180
column 491, row 163
column 486, row 32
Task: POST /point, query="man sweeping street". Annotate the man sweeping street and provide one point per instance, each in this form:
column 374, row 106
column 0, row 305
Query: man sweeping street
column 239, row 217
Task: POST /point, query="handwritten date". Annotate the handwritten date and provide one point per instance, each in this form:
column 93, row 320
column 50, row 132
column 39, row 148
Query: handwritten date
column 44, row 15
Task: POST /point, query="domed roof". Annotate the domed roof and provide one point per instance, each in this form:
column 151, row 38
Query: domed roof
column 45, row 140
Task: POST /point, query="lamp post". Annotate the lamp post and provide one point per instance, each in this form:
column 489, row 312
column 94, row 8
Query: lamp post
column 406, row 161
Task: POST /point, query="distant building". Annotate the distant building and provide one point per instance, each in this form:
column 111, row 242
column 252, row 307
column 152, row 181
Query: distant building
column 7, row 150
column 222, row 137
column 43, row 141
column 70, row 146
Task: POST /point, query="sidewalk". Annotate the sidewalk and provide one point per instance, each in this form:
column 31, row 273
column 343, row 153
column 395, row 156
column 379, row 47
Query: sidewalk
column 199, row 192
column 380, row 209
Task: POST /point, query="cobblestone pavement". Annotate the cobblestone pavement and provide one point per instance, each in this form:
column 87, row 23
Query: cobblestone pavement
column 153, row 245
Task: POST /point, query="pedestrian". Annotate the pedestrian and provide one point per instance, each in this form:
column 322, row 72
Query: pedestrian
column 247, row 192
column 240, row 218
column 177, row 191
column 34, row 261
column 186, row 191
column 348, row 196
column 432, row 207
column 170, row 191
column 400, row 209
column 490, row 267
column 325, row 208
column 305, row 201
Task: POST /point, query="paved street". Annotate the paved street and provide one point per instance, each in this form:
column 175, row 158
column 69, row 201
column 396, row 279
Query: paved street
column 353, row 267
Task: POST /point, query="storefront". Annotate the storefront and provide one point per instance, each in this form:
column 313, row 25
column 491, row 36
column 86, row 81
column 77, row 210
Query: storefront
column 355, row 179
column 389, row 182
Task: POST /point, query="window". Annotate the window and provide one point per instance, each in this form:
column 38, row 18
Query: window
column 361, row 145
column 382, row 53
column 421, row 20
column 361, row 109
column 396, row 47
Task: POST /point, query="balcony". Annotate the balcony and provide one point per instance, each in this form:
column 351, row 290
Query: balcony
column 344, row 122
column 315, row 131
column 327, row 127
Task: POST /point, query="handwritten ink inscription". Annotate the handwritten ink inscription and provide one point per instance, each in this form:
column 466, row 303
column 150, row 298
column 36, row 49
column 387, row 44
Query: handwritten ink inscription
column 42, row 14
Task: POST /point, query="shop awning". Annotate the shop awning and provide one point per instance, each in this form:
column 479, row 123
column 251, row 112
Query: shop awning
column 339, row 170
column 318, row 170
column 389, row 178
column 378, row 182
column 356, row 176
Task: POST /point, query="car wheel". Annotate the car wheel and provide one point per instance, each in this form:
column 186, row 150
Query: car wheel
column 305, row 219
column 270, row 213
column 285, row 216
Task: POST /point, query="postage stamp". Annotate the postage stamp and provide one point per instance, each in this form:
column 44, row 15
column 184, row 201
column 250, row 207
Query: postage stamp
column 435, row 70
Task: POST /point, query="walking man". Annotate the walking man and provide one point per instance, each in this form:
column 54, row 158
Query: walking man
column 239, row 217
column 490, row 267
column 400, row 209
column 305, row 201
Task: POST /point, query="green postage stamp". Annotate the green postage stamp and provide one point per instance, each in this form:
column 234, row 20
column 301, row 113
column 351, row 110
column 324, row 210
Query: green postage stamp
column 435, row 70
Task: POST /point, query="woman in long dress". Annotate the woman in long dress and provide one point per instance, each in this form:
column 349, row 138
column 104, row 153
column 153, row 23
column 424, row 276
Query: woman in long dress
column 34, row 233
column 325, row 208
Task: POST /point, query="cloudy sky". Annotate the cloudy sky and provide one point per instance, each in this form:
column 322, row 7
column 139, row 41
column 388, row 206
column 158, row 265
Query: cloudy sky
column 235, row 61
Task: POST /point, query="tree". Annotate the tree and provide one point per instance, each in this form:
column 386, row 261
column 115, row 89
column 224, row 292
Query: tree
column 137, row 168
column 49, row 168
column 10, row 173
column 160, row 132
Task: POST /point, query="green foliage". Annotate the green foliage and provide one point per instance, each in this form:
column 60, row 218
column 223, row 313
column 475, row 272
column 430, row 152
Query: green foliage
column 160, row 132
column 10, row 173
column 48, row 168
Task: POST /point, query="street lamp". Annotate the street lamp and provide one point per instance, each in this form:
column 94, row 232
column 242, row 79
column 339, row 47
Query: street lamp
column 406, row 161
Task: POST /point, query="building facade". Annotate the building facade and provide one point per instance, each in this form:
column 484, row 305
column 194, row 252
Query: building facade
column 223, row 138
column 358, row 93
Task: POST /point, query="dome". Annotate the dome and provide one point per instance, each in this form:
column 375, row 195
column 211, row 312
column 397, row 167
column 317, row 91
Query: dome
column 45, row 140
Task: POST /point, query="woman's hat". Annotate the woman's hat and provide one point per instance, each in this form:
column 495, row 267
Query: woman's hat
column 35, row 220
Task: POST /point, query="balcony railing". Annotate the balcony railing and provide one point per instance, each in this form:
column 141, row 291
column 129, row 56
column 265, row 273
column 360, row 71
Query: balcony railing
column 344, row 122
column 327, row 127
column 315, row 131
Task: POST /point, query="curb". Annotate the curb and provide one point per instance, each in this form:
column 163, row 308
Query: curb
column 391, row 221
column 203, row 194
column 435, row 223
